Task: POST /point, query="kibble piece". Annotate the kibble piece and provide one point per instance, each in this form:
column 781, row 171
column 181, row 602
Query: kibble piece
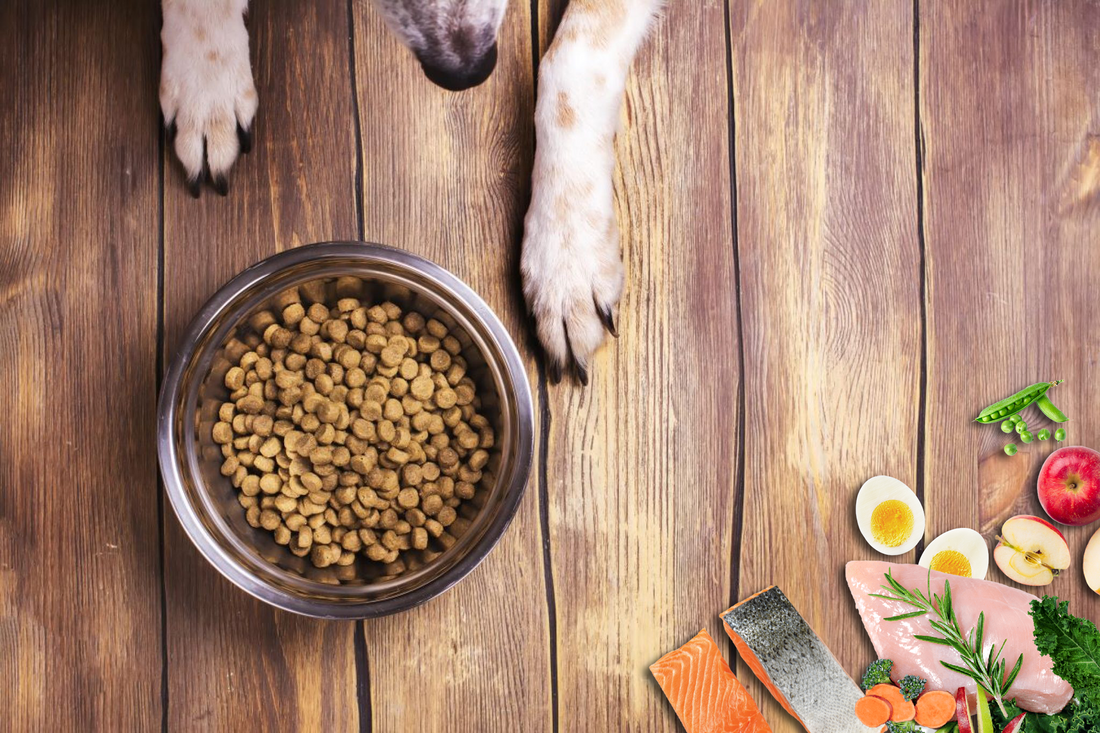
column 440, row 360
column 222, row 433
column 437, row 329
column 445, row 398
column 432, row 504
column 422, row 388
column 270, row 483
column 408, row 498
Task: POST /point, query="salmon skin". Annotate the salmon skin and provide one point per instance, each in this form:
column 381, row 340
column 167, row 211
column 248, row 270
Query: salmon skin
column 704, row 692
column 793, row 663
column 1036, row 688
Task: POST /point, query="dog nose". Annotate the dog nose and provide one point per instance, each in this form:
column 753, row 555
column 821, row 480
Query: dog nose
column 458, row 78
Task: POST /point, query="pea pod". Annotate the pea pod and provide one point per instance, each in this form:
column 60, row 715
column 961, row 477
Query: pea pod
column 1050, row 410
column 1011, row 405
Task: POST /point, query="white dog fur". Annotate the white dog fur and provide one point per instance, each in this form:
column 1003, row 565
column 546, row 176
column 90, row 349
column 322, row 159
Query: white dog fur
column 571, row 265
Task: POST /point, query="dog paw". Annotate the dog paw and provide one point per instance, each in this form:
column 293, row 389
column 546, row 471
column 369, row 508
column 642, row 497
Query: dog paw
column 572, row 274
column 207, row 94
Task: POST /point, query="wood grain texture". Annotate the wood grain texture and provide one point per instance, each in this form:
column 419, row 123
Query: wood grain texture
column 79, row 571
column 1009, row 96
column 642, row 463
column 445, row 175
column 830, row 273
column 235, row 663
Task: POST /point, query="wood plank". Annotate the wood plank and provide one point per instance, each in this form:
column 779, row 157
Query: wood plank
column 642, row 464
column 830, row 281
column 79, row 569
column 235, row 663
column 445, row 175
column 1012, row 154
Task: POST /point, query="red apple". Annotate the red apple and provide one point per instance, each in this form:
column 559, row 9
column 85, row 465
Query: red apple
column 1090, row 563
column 962, row 711
column 1069, row 485
column 1031, row 550
column 1016, row 725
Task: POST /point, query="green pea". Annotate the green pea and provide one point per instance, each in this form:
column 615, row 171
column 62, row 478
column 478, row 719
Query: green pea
column 1015, row 418
column 1010, row 449
column 1021, row 426
column 1026, row 437
column 1006, row 426
column 1060, row 434
column 1044, row 434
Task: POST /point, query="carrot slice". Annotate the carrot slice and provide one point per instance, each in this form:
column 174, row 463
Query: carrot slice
column 902, row 708
column 873, row 711
column 935, row 708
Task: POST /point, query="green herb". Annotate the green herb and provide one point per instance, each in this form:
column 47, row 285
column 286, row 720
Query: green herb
column 878, row 673
column 1010, row 405
column 1072, row 643
column 989, row 671
column 911, row 687
column 907, row 726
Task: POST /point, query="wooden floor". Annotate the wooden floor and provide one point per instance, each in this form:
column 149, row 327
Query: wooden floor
column 847, row 226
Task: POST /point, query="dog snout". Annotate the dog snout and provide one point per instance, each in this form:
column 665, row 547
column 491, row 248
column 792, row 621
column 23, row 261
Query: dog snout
column 461, row 75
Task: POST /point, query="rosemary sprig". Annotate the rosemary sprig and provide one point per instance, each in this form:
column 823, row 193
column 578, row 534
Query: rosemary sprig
column 988, row 670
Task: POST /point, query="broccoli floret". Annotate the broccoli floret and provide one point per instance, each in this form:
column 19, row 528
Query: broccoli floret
column 911, row 687
column 878, row 673
column 907, row 726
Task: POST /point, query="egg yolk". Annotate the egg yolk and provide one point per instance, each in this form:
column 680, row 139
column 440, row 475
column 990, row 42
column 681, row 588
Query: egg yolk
column 892, row 523
column 953, row 562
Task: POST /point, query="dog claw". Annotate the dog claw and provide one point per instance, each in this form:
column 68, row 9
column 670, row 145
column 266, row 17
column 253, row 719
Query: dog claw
column 607, row 319
column 221, row 185
column 245, row 138
column 194, row 185
column 553, row 371
column 582, row 372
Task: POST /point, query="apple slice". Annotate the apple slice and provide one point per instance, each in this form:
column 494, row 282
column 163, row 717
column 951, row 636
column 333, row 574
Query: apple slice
column 1091, row 562
column 1031, row 550
column 1016, row 724
column 962, row 711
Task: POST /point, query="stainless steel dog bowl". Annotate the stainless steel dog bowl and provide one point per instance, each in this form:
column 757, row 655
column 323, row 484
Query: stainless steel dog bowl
column 206, row 503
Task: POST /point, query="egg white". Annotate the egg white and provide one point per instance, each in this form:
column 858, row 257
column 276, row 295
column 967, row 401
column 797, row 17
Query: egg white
column 962, row 540
column 884, row 488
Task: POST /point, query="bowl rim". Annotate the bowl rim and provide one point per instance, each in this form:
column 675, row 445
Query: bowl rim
column 170, row 460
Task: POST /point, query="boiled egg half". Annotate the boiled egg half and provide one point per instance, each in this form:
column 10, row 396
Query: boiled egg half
column 961, row 552
column 889, row 515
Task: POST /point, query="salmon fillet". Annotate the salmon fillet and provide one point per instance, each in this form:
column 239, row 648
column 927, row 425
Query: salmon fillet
column 1036, row 689
column 704, row 692
column 794, row 663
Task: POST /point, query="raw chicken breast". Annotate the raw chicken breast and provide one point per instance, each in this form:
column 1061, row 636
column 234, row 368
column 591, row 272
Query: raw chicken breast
column 1037, row 689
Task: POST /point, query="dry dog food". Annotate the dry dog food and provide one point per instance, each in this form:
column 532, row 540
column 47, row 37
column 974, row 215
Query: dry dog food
column 352, row 431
